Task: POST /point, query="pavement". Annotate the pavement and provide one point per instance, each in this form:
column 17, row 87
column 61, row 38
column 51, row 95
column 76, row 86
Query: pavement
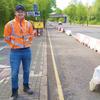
column 38, row 72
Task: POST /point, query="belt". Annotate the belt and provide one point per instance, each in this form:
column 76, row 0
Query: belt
column 19, row 49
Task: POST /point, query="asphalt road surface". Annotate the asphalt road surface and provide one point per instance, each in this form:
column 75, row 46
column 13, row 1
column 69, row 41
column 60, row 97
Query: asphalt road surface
column 75, row 64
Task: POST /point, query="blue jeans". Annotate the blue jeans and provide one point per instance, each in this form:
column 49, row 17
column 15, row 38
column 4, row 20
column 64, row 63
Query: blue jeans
column 16, row 57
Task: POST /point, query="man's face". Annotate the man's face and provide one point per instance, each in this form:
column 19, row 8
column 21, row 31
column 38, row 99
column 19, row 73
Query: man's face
column 20, row 14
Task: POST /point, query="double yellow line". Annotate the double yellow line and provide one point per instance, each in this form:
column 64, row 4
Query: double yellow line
column 59, row 87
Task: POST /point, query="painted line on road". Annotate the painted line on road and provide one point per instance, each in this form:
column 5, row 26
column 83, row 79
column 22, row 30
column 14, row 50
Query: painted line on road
column 1, row 81
column 2, row 48
column 7, row 79
column 4, row 66
column 59, row 87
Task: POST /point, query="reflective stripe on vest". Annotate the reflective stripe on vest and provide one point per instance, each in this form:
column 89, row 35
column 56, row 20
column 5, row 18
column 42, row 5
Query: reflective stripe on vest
column 25, row 36
column 17, row 44
column 28, row 24
column 7, row 38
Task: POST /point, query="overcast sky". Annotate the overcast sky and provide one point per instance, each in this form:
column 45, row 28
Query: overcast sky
column 63, row 3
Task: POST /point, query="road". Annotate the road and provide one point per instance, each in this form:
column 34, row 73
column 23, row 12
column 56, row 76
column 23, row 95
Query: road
column 93, row 31
column 75, row 64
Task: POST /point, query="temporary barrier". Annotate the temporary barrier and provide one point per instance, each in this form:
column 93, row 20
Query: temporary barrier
column 68, row 32
column 95, row 79
column 62, row 30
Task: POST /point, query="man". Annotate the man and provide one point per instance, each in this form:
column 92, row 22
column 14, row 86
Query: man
column 18, row 34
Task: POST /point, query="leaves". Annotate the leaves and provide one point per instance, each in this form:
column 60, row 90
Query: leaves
column 97, row 9
column 77, row 12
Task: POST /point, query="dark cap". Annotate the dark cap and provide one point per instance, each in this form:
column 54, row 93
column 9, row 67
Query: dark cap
column 20, row 7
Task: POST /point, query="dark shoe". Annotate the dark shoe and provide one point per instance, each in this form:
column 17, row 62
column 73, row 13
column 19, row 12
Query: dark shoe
column 14, row 98
column 14, row 95
column 28, row 90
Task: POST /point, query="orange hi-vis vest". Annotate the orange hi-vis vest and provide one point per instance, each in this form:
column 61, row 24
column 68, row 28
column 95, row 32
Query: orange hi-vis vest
column 18, row 34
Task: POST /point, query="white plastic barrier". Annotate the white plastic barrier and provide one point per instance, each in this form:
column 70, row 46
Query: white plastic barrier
column 92, row 43
column 77, row 36
column 81, row 37
column 68, row 32
column 62, row 30
column 59, row 29
column 95, row 79
column 86, row 40
column 97, row 47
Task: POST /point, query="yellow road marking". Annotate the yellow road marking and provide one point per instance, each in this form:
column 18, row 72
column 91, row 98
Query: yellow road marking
column 59, row 87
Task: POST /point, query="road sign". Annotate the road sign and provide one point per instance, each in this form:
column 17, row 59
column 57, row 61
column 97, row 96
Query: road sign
column 30, row 13
column 37, row 13
column 35, row 7
column 38, row 25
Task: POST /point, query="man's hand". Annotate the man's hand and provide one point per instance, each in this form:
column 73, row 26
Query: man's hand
column 34, row 32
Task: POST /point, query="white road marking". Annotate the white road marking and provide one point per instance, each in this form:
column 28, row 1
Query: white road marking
column 1, row 81
column 6, row 80
column 32, row 74
column 4, row 66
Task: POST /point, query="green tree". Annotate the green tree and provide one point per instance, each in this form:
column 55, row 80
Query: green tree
column 70, row 11
column 81, row 13
column 6, row 10
column 58, row 11
column 97, row 10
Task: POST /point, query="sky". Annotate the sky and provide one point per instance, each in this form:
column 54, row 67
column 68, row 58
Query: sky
column 63, row 3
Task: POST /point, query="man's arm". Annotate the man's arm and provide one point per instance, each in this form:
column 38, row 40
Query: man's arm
column 32, row 31
column 7, row 33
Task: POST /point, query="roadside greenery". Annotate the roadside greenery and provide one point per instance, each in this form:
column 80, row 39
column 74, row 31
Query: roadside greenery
column 76, row 12
column 56, row 19
column 83, row 14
